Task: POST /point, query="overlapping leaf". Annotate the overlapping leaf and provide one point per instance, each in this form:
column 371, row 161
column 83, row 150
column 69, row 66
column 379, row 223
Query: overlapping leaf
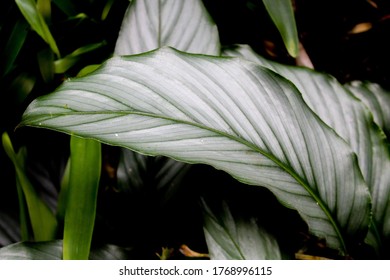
column 184, row 25
column 376, row 98
column 228, row 113
column 351, row 120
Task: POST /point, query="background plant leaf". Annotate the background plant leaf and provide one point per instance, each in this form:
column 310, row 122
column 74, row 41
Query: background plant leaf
column 136, row 172
column 228, row 113
column 14, row 44
column 184, row 25
column 232, row 238
column 282, row 14
column 35, row 19
column 43, row 221
column 351, row 120
column 52, row 250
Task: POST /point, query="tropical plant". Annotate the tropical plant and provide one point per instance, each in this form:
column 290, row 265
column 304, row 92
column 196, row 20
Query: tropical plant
column 170, row 91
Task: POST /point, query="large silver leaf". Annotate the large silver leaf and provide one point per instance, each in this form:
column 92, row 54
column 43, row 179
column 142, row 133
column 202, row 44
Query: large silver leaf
column 231, row 238
column 184, row 25
column 351, row 120
column 225, row 112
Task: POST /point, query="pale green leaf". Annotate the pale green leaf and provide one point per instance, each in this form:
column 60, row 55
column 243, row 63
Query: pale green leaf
column 351, row 120
column 81, row 194
column 231, row 238
column 225, row 112
column 184, row 25
column 35, row 19
column 282, row 14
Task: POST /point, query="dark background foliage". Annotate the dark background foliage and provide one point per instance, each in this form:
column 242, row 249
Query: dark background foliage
column 139, row 218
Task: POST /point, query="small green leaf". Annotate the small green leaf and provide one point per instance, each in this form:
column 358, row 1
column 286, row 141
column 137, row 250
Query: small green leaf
column 64, row 64
column 35, row 19
column 282, row 14
column 230, row 238
column 84, row 176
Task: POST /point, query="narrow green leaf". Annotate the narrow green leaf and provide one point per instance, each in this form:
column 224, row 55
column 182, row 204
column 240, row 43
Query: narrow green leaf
column 184, row 25
column 14, row 44
column 44, row 8
column 282, row 14
column 23, row 214
column 43, row 221
column 225, row 112
column 107, row 9
column 85, row 165
column 337, row 107
column 35, row 19
column 230, row 238
column 64, row 64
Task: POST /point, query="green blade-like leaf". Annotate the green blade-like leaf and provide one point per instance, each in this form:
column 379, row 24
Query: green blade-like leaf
column 14, row 44
column 351, row 120
column 282, row 14
column 43, row 221
column 184, row 25
column 64, row 64
column 230, row 238
column 35, row 19
column 52, row 250
column 377, row 99
column 228, row 113
column 84, row 175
